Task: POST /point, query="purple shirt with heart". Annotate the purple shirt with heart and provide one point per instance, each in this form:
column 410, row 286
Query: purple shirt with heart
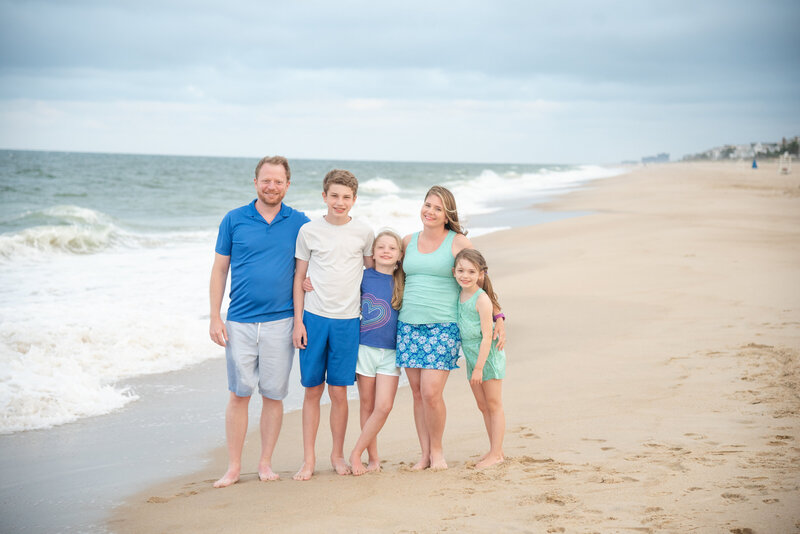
column 378, row 318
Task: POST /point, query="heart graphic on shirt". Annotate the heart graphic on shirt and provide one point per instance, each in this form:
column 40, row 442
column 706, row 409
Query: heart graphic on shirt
column 375, row 312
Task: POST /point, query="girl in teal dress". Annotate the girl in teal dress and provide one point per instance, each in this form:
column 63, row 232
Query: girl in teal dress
column 486, row 364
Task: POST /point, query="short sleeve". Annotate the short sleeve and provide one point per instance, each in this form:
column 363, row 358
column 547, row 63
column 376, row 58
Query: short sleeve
column 301, row 251
column 370, row 238
column 224, row 240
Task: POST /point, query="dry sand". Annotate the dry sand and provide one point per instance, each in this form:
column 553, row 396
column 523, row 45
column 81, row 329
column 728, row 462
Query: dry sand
column 652, row 384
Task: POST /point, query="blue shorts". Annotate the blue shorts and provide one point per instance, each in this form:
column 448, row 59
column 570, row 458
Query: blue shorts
column 332, row 350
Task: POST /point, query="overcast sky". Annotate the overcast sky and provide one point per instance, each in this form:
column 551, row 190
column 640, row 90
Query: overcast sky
column 485, row 81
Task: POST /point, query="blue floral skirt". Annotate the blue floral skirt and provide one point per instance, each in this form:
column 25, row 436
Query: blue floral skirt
column 428, row 346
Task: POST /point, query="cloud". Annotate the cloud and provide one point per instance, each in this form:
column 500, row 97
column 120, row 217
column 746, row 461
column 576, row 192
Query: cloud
column 492, row 75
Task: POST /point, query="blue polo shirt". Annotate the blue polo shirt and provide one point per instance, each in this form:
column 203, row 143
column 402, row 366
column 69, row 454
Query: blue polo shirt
column 262, row 262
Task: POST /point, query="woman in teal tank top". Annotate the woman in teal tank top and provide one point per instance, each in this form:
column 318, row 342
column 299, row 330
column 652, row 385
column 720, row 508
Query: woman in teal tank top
column 428, row 340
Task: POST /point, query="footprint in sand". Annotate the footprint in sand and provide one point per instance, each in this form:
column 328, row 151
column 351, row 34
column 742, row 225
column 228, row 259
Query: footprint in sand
column 529, row 460
column 555, row 497
column 525, row 432
column 734, row 497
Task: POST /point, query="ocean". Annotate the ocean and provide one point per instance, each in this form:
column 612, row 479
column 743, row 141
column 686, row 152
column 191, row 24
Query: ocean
column 105, row 259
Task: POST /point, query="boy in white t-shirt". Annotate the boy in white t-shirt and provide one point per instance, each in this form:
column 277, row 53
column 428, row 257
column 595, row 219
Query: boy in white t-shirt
column 332, row 251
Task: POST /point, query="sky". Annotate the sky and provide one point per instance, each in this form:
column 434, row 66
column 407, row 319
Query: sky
column 472, row 81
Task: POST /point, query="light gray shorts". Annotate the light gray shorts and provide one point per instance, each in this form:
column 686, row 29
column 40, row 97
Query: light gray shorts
column 260, row 354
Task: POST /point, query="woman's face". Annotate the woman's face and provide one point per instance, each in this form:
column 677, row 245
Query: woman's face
column 433, row 213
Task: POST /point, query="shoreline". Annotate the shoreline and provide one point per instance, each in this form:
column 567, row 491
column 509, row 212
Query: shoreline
column 102, row 461
column 652, row 384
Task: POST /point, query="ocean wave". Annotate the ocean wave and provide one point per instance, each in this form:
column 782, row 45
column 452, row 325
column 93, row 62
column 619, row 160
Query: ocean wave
column 75, row 230
column 58, row 375
column 379, row 186
column 481, row 194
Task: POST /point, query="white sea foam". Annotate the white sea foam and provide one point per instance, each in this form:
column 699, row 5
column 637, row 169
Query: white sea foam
column 379, row 186
column 75, row 326
column 487, row 192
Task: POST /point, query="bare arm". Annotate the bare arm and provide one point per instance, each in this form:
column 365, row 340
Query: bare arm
column 369, row 262
column 500, row 331
column 459, row 243
column 219, row 276
column 484, row 306
column 299, row 336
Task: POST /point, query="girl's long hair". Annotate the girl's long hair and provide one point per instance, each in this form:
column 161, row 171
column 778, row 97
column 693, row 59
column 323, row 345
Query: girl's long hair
column 398, row 276
column 476, row 258
column 449, row 204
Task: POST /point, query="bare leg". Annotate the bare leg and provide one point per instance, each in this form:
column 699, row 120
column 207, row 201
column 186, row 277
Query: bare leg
column 235, row 432
column 414, row 379
column 493, row 392
column 366, row 396
column 385, row 391
column 271, row 419
column 432, row 388
column 338, row 395
column 480, row 399
column 310, row 427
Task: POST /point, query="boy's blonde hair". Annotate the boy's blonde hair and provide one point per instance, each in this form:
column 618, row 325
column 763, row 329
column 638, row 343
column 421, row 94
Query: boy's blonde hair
column 476, row 258
column 449, row 204
column 341, row 177
column 399, row 276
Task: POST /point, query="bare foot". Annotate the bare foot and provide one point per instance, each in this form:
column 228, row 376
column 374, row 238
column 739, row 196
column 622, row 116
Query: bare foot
column 266, row 474
column 231, row 477
column 305, row 472
column 424, row 463
column 374, row 466
column 438, row 464
column 358, row 467
column 340, row 466
column 489, row 460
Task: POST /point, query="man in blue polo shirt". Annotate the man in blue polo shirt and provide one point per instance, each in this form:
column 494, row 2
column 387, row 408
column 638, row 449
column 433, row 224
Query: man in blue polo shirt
column 257, row 243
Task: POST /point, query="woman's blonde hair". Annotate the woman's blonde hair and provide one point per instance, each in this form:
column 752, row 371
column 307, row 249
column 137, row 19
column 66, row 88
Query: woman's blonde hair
column 399, row 276
column 449, row 204
column 476, row 258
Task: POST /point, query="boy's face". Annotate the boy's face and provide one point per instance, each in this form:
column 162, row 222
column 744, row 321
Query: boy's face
column 339, row 199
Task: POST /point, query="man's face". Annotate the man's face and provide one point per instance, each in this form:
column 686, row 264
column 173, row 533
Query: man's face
column 271, row 184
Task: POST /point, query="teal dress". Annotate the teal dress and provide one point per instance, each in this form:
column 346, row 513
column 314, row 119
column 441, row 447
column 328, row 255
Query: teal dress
column 469, row 324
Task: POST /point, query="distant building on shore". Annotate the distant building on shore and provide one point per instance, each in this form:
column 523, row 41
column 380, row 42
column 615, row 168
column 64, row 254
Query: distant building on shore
column 660, row 158
column 746, row 151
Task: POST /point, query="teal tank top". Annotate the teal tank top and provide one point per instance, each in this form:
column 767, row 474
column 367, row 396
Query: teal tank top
column 431, row 291
column 469, row 325
column 469, row 321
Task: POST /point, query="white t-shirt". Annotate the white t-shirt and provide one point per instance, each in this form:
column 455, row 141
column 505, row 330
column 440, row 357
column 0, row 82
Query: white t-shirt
column 335, row 256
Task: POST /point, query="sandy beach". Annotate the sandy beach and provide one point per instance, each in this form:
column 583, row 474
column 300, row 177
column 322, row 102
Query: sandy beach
column 652, row 384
